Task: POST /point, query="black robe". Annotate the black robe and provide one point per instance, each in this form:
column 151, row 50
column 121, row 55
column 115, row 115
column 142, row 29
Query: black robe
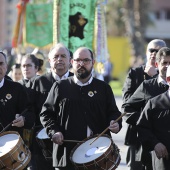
column 14, row 100
column 70, row 108
column 147, row 90
column 154, row 122
column 41, row 87
column 134, row 78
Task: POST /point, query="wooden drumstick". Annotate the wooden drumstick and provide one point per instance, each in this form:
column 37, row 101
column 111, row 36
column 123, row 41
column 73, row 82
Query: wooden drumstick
column 107, row 128
column 73, row 141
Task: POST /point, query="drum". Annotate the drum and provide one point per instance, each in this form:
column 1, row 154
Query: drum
column 45, row 143
column 101, row 154
column 14, row 154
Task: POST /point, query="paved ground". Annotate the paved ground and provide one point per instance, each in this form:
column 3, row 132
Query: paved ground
column 119, row 140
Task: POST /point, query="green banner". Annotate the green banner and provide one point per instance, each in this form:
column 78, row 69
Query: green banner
column 77, row 23
column 39, row 24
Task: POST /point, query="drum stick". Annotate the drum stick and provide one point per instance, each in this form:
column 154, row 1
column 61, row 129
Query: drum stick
column 73, row 141
column 107, row 128
column 6, row 127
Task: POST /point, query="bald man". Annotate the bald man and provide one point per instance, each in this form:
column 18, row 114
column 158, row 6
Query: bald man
column 83, row 106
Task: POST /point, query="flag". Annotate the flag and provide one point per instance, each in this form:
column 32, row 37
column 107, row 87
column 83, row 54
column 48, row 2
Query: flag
column 76, row 25
column 39, row 24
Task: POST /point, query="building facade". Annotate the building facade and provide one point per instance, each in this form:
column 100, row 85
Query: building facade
column 8, row 13
column 160, row 18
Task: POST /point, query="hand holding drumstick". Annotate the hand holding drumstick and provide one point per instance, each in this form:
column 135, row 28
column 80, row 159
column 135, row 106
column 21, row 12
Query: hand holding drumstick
column 19, row 121
column 112, row 127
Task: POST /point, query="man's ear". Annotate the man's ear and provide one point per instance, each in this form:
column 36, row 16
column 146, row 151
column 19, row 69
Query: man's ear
column 71, row 61
column 93, row 62
column 156, row 64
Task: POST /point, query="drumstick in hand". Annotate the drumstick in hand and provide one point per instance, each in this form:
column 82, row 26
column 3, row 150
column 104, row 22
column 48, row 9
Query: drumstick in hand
column 107, row 128
column 12, row 122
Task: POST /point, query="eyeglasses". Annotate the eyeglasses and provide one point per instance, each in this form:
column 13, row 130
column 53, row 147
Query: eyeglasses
column 151, row 50
column 27, row 65
column 84, row 61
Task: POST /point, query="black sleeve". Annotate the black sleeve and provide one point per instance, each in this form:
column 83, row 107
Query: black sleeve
column 129, row 86
column 25, row 108
column 144, row 126
column 49, row 112
column 135, row 105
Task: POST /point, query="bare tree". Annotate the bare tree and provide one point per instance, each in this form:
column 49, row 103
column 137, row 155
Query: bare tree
column 114, row 18
column 136, row 21
column 129, row 18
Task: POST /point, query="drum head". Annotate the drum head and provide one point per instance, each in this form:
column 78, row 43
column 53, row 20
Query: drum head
column 42, row 134
column 86, row 152
column 7, row 143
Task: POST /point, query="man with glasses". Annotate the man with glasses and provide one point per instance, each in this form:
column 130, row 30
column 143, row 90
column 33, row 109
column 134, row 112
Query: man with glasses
column 78, row 107
column 134, row 78
column 59, row 59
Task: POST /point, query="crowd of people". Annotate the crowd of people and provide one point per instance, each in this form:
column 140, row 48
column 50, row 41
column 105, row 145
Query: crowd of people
column 70, row 104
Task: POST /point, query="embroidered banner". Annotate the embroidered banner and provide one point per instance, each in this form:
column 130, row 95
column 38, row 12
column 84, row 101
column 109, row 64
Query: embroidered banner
column 39, row 24
column 77, row 23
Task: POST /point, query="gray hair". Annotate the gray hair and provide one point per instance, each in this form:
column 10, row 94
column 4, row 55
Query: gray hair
column 157, row 42
column 59, row 45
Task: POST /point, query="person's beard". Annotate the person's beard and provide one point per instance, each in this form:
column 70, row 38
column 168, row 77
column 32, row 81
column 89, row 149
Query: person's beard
column 83, row 75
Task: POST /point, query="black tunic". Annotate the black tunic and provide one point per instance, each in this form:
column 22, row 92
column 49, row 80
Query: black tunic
column 154, row 122
column 70, row 108
column 147, row 90
column 134, row 78
column 41, row 87
column 14, row 100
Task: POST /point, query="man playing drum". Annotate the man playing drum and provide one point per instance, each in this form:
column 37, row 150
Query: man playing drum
column 15, row 111
column 78, row 107
column 13, row 101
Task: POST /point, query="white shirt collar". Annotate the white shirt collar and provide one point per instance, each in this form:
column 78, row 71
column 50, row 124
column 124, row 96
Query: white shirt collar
column 78, row 82
column 161, row 80
column 2, row 83
column 57, row 78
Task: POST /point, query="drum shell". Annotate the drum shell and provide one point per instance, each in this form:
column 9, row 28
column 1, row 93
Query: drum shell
column 11, row 159
column 111, row 156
